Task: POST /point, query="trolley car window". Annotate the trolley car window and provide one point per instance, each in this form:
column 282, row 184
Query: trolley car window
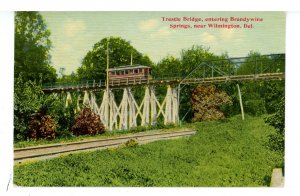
column 136, row 71
column 141, row 70
column 127, row 71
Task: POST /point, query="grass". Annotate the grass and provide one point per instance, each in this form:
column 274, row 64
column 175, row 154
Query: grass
column 222, row 153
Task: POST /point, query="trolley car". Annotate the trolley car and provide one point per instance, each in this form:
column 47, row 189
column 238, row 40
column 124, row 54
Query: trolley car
column 131, row 74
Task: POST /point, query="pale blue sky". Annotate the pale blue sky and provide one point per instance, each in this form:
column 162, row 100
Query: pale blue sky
column 73, row 34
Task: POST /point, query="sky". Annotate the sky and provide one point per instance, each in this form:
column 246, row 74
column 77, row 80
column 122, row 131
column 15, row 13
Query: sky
column 73, row 34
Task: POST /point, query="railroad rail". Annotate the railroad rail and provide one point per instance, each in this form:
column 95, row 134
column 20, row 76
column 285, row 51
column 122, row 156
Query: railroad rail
column 55, row 150
column 100, row 85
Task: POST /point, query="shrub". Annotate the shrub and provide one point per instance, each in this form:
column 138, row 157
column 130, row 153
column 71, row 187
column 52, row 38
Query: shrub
column 255, row 107
column 132, row 143
column 206, row 102
column 277, row 120
column 273, row 90
column 88, row 123
column 27, row 101
column 65, row 116
column 42, row 126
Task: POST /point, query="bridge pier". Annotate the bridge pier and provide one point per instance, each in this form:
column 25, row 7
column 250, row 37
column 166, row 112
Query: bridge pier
column 125, row 115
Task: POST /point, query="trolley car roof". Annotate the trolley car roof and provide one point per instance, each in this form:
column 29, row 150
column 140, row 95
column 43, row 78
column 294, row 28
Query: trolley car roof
column 127, row 67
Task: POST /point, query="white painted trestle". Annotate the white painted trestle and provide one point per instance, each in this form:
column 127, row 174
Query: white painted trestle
column 125, row 115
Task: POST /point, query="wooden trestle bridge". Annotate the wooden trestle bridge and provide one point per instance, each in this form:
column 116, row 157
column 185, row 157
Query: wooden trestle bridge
column 125, row 115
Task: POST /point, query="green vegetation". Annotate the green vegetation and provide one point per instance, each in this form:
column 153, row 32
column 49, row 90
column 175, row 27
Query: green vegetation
column 33, row 69
column 94, row 62
column 26, row 102
column 30, row 101
column 32, row 48
column 72, row 138
column 276, row 140
column 229, row 152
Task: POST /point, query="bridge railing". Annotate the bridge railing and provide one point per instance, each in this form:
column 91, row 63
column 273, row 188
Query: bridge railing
column 87, row 83
column 260, row 64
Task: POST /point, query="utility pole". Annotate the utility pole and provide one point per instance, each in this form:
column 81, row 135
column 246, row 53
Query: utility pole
column 178, row 102
column 108, row 114
column 131, row 59
column 107, row 66
column 241, row 101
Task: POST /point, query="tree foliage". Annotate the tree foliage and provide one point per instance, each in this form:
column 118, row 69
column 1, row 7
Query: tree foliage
column 94, row 63
column 259, row 97
column 36, row 114
column 32, row 48
column 273, row 92
column 259, row 64
column 206, row 102
column 190, row 59
column 72, row 78
column 64, row 115
column 277, row 120
column 167, row 67
column 27, row 101
column 194, row 56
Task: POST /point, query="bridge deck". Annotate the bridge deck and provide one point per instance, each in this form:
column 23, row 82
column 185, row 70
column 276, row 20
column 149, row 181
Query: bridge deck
column 97, row 86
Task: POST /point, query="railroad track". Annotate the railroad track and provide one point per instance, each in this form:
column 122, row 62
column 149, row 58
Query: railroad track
column 55, row 150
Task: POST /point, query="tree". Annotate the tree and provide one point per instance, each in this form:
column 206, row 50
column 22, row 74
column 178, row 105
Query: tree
column 272, row 94
column 197, row 58
column 194, row 56
column 255, row 63
column 38, row 115
column 190, row 60
column 93, row 66
column 261, row 97
column 32, row 48
column 162, row 69
column 68, row 78
column 206, row 103
column 62, row 71
column 27, row 101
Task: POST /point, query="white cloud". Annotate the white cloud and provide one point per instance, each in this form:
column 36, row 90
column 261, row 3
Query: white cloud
column 208, row 38
column 72, row 28
column 165, row 31
column 227, row 34
column 153, row 28
column 232, row 34
column 148, row 25
column 161, row 33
